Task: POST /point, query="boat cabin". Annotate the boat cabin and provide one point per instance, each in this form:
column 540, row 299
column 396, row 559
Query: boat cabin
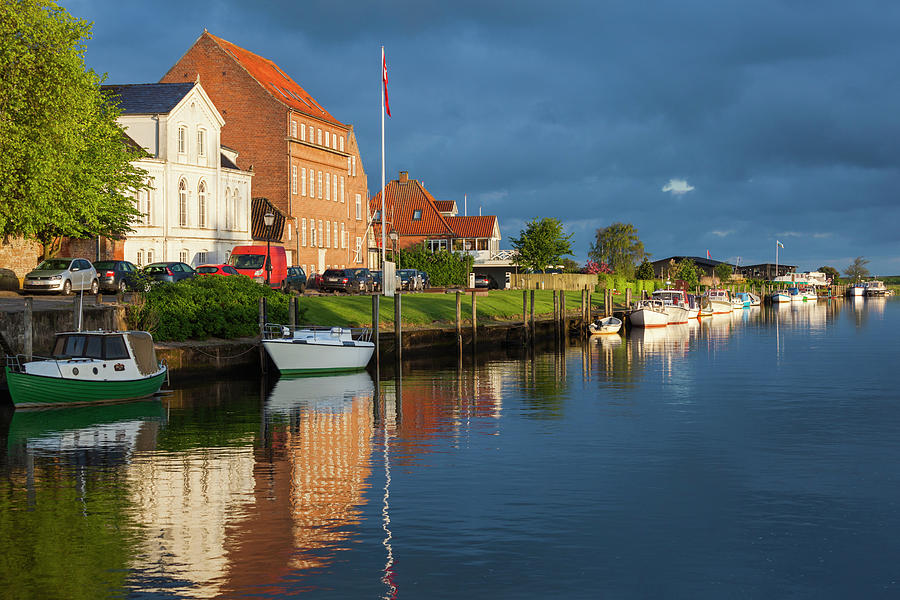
column 108, row 345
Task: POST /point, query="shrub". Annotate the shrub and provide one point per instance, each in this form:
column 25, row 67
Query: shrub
column 207, row 306
column 444, row 268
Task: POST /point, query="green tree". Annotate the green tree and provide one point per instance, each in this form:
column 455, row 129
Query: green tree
column 645, row 271
column 569, row 266
column 723, row 272
column 619, row 246
column 831, row 273
column 857, row 270
column 541, row 243
column 66, row 168
column 687, row 271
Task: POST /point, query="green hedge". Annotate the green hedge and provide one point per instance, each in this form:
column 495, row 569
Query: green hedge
column 202, row 307
column 444, row 268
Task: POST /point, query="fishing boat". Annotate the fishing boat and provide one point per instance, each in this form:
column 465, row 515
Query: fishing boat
column 88, row 367
column 649, row 313
column 605, row 326
column 720, row 301
column 740, row 301
column 318, row 349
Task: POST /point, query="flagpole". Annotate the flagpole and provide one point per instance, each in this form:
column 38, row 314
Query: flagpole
column 383, row 244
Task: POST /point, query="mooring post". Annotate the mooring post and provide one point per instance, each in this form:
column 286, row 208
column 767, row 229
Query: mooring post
column 292, row 312
column 376, row 326
column 556, row 312
column 398, row 330
column 531, row 332
column 627, row 298
column 29, row 328
column 459, row 318
column 525, row 315
column 474, row 321
column 262, row 334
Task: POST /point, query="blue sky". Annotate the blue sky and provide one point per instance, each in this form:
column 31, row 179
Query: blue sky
column 717, row 126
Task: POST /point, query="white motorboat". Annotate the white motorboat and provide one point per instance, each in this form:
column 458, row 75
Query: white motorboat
column 807, row 293
column 318, row 349
column 857, row 289
column 739, row 301
column 754, row 299
column 675, row 302
column 780, row 296
column 649, row 313
column 875, row 288
column 720, row 300
column 605, row 326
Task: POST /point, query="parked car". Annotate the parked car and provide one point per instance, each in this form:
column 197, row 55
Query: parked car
column 409, row 279
column 169, row 271
column 482, row 281
column 377, row 285
column 294, row 280
column 251, row 261
column 366, row 276
column 425, row 280
column 314, row 281
column 343, row 280
column 63, row 275
column 216, row 270
column 116, row 275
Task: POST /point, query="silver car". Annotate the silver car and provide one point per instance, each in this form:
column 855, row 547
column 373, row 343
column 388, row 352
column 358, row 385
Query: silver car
column 63, row 275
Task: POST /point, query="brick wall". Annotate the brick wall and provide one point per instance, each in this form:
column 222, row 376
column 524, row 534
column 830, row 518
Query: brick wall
column 17, row 257
column 259, row 128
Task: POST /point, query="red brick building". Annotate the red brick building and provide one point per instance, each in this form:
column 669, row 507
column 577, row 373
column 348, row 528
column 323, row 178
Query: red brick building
column 306, row 162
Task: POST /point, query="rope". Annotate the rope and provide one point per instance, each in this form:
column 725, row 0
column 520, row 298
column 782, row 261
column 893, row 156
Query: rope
column 218, row 357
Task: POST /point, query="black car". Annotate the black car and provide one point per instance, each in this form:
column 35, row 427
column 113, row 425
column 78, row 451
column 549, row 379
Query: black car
column 343, row 280
column 409, row 279
column 295, row 279
column 365, row 276
column 482, row 281
column 376, row 281
column 169, row 271
column 116, row 275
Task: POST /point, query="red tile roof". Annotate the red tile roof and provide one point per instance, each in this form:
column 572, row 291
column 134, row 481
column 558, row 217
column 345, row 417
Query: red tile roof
column 446, row 206
column 275, row 81
column 473, row 227
column 401, row 200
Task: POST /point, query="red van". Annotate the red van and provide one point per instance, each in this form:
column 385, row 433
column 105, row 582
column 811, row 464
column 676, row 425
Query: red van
column 250, row 261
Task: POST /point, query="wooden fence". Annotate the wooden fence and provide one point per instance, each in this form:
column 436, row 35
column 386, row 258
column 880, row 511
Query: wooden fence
column 551, row 281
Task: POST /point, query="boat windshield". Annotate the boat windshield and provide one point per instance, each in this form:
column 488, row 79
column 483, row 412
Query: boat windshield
column 104, row 347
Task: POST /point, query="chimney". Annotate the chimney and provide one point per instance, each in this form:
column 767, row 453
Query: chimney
column 404, row 176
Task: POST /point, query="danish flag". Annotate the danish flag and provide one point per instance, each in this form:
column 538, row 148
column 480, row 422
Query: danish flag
column 387, row 107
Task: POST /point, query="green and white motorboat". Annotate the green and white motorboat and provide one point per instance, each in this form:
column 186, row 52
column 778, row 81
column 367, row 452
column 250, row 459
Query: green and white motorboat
column 88, row 367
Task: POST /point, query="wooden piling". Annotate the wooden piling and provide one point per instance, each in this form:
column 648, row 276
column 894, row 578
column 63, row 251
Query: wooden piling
column 376, row 328
column 531, row 329
column 262, row 334
column 292, row 312
column 29, row 328
column 627, row 298
column 459, row 318
column 525, row 315
column 474, row 321
column 398, row 330
column 556, row 310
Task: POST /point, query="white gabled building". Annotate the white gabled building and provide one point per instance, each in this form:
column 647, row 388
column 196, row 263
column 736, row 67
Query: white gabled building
column 199, row 206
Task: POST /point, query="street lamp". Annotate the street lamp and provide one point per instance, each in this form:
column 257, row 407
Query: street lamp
column 394, row 237
column 269, row 220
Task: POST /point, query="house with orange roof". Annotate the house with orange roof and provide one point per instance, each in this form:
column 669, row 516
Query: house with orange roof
column 305, row 161
column 417, row 218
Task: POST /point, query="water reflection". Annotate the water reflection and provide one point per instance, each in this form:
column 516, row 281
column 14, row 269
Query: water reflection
column 353, row 486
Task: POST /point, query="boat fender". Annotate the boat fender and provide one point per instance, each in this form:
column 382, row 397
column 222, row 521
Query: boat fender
column 285, row 331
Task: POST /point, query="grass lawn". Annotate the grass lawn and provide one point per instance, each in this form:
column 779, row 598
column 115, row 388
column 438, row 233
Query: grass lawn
column 433, row 309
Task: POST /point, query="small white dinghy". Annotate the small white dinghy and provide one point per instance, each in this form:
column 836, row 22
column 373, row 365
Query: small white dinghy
column 605, row 326
column 318, row 349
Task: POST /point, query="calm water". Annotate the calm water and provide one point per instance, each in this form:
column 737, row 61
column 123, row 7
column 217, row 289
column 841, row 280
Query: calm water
column 749, row 456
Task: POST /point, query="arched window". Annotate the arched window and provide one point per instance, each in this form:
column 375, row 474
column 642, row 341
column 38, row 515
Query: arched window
column 201, row 204
column 228, row 210
column 182, row 203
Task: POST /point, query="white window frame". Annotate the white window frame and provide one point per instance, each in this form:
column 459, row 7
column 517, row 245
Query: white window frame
column 334, row 180
column 303, row 132
column 327, row 187
column 201, row 143
column 336, row 242
column 321, row 233
column 149, row 255
column 342, row 143
column 202, row 194
column 319, row 174
column 294, row 179
column 140, row 258
column 303, row 181
column 343, row 237
column 183, row 255
column 353, row 161
column 182, row 203
column 182, row 139
column 319, row 137
column 303, row 232
column 359, row 207
column 327, row 139
column 293, row 129
column 348, row 166
column 328, row 234
column 342, row 187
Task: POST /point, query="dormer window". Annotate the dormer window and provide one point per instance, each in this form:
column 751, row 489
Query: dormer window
column 417, row 215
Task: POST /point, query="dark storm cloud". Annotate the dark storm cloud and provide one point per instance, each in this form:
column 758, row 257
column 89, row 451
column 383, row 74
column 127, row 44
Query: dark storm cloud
column 779, row 114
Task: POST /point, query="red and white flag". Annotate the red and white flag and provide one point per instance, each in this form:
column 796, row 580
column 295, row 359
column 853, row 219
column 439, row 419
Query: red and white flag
column 387, row 107
column 707, row 252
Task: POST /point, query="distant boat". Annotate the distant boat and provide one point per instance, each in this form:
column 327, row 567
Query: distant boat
column 318, row 349
column 740, row 301
column 857, row 289
column 705, row 307
column 875, row 288
column 88, row 367
column 780, row 296
column 605, row 326
column 675, row 303
column 649, row 313
column 720, row 301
